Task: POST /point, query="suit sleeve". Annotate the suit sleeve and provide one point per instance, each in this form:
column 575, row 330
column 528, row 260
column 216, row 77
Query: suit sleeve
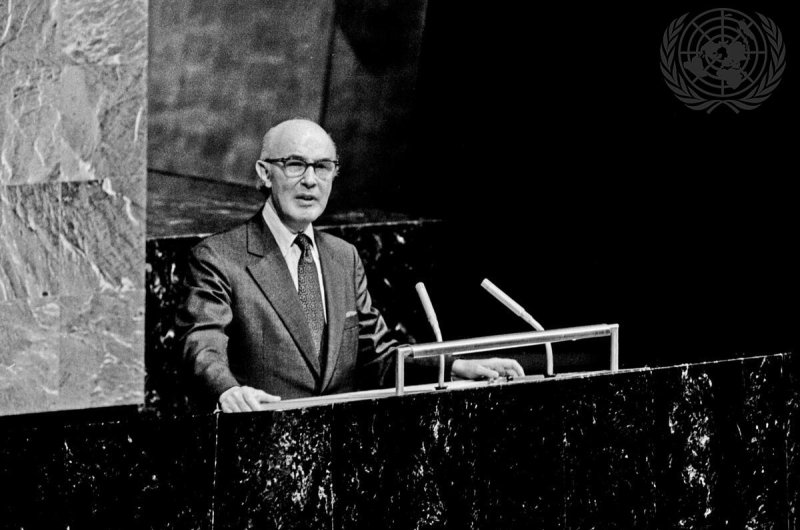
column 377, row 344
column 203, row 319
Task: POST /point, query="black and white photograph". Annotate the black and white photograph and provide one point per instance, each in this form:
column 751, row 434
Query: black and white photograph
column 399, row 264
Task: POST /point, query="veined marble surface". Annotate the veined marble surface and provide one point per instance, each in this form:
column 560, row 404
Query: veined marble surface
column 73, row 89
column 73, row 136
column 711, row 445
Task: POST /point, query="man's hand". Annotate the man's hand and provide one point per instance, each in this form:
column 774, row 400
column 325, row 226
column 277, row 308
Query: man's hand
column 245, row 399
column 486, row 368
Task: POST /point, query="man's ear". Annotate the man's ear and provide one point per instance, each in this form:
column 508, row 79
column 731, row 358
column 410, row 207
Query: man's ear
column 263, row 174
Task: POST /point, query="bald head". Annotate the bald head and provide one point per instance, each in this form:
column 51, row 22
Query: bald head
column 287, row 136
column 297, row 199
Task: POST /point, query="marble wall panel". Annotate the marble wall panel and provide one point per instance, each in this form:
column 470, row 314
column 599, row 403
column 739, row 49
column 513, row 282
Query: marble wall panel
column 103, row 32
column 791, row 378
column 274, row 470
column 103, row 123
column 762, row 483
column 166, row 386
column 30, row 223
column 32, row 474
column 401, row 462
column 102, row 340
column 73, row 96
column 30, row 338
column 102, row 243
column 728, row 445
column 73, row 285
column 106, row 468
column 460, row 458
column 722, row 455
column 31, row 72
column 522, row 474
column 609, row 443
column 144, row 472
column 102, row 236
column 73, row 86
column 688, row 472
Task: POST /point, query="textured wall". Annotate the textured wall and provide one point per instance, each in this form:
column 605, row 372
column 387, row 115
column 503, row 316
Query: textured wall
column 222, row 72
column 370, row 100
column 72, row 198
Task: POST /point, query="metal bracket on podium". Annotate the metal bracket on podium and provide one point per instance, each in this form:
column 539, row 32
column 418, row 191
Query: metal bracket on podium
column 503, row 342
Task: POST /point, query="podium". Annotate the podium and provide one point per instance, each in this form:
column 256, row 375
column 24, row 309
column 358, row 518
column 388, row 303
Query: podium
column 707, row 445
column 687, row 446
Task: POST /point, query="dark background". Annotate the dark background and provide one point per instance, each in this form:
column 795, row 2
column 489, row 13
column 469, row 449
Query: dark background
column 587, row 191
column 546, row 139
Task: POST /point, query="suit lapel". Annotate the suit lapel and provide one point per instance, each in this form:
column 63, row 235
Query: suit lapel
column 335, row 279
column 272, row 276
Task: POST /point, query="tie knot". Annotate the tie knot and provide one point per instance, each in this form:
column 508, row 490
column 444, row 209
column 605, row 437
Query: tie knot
column 304, row 242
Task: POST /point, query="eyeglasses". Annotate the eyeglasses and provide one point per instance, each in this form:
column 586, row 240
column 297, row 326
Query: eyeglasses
column 296, row 167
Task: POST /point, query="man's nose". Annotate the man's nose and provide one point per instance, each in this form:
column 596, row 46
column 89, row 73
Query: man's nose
column 309, row 177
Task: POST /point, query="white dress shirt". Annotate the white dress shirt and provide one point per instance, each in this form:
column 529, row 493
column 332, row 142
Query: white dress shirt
column 291, row 252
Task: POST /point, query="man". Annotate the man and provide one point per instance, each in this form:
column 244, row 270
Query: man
column 278, row 310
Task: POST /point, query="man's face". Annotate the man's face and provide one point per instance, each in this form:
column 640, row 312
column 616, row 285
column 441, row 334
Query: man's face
column 298, row 201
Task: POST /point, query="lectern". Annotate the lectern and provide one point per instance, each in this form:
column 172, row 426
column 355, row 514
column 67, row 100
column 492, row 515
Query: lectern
column 709, row 445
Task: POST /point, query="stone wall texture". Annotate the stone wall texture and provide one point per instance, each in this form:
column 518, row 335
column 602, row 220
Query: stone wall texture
column 371, row 100
column 221, row 73
column 73, row 136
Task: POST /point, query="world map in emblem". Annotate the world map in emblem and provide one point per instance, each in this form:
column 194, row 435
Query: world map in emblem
column 723, row 52
column 722, row 57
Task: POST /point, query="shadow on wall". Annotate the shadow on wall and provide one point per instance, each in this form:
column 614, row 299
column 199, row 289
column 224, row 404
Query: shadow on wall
column 383, row 35
column 371, row 98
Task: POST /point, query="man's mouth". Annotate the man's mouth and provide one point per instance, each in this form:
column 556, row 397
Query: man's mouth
column 306, row 198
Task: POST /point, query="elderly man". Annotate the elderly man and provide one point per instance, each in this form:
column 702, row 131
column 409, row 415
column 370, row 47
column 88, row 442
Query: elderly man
column 278, row 310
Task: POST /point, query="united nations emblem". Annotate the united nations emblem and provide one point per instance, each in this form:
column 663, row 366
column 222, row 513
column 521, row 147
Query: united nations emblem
column 722, row 57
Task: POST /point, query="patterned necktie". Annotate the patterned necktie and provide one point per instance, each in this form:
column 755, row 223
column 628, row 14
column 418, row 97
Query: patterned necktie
column 309, row 291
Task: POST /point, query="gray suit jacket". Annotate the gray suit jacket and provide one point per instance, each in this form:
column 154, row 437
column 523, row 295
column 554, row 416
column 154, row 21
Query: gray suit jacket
column 242, row 323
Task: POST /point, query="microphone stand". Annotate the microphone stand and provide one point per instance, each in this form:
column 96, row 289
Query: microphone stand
column 524, row 315
column 431, row 314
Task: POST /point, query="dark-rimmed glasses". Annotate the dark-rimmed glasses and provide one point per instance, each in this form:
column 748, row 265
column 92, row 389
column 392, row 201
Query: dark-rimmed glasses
column 295, row 167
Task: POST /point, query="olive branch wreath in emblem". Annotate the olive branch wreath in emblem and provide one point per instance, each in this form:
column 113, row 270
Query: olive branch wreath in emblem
column 692, row 99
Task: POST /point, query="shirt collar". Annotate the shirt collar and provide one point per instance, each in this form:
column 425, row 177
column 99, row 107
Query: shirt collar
column 283, row 235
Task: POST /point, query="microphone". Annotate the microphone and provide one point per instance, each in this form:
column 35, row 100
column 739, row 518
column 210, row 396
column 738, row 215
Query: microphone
column 429, row 312
column 524, row 315
column 432, row 320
